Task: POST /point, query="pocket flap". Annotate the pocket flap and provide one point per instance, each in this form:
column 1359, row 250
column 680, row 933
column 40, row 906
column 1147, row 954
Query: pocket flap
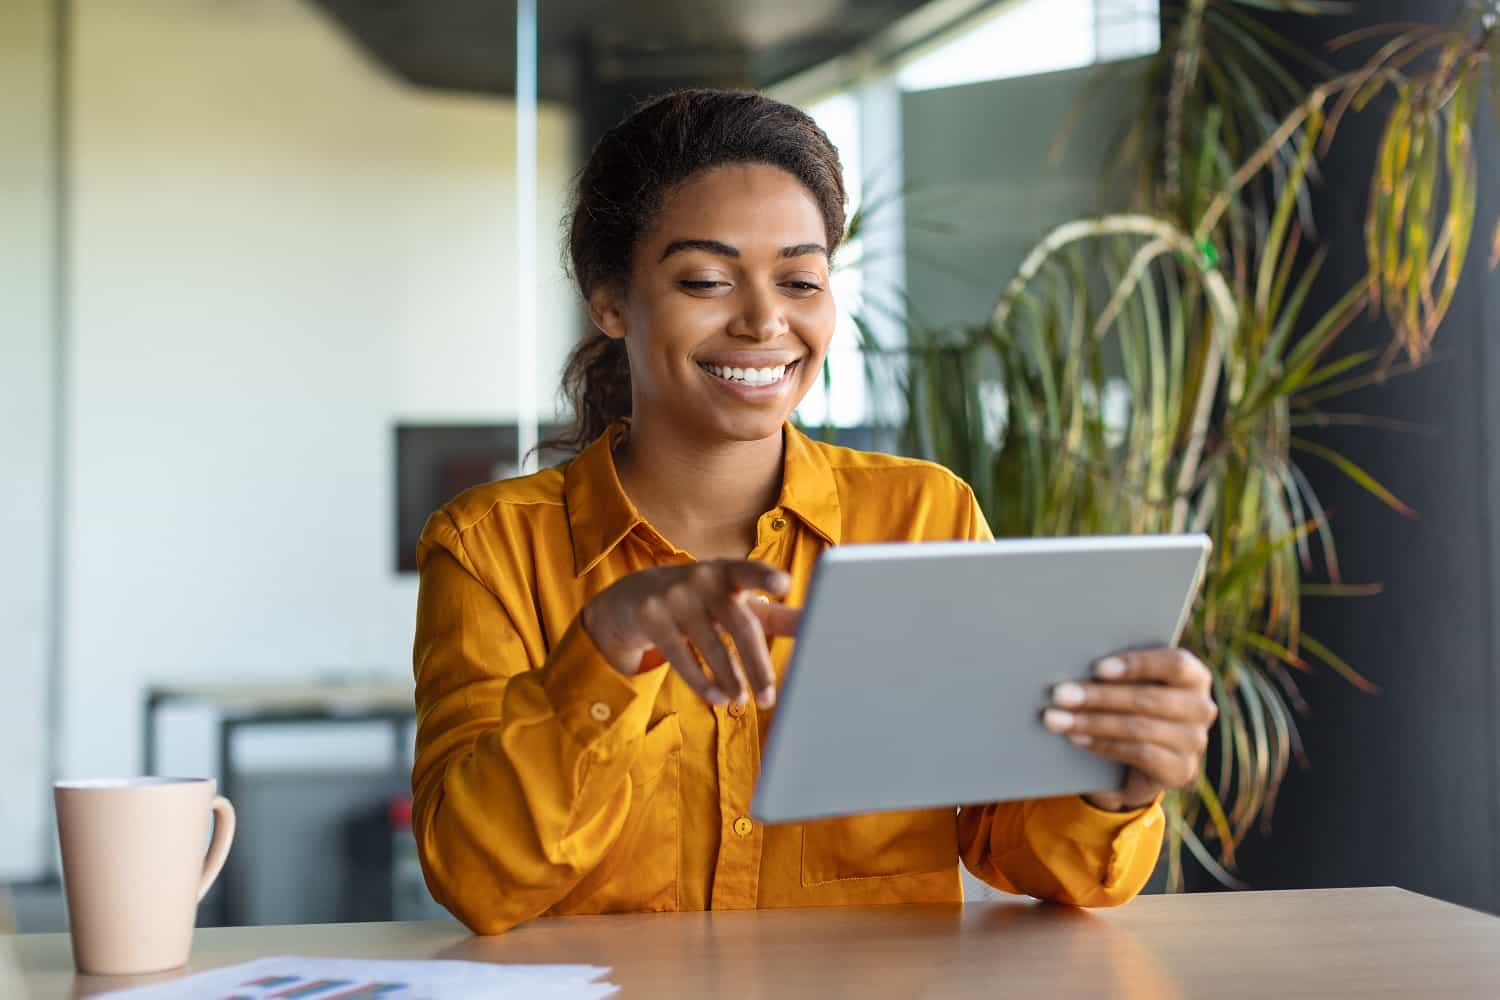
column 879, row 845
column 658, row 744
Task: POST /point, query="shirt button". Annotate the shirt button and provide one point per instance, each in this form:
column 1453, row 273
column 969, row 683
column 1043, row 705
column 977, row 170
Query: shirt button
column 736, row 709
column 743, row 826
column 600, row 712
column 778, row 524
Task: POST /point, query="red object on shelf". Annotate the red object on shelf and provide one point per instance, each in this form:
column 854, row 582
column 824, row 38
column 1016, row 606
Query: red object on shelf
column 399, row 812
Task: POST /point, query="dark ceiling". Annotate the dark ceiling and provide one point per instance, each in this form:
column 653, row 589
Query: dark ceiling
column 583, row 45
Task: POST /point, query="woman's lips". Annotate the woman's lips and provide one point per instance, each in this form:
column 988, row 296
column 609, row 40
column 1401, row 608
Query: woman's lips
column 759, row 384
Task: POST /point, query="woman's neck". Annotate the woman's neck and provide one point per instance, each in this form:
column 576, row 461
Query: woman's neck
column 704, row 497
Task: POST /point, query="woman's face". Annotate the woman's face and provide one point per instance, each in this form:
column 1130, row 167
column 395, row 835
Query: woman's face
column 728, row 314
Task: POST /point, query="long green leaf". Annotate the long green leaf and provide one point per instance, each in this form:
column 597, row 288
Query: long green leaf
column 1254, row 562
column 1337, row 664
column 1284, row 729
column 1333, row 369
column 1201, row 853
column 1276, row 649
column 1216, row 815
column 1354, row 472
column 1341, row 589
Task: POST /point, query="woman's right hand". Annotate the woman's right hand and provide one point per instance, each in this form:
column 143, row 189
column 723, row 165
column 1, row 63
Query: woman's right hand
column 667, row 612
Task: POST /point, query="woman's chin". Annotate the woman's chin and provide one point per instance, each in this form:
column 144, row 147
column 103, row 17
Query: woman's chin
column 755, row 426
column 739, row 413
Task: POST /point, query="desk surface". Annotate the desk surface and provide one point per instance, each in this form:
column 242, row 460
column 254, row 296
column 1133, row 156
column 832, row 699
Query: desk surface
column 1329, row 943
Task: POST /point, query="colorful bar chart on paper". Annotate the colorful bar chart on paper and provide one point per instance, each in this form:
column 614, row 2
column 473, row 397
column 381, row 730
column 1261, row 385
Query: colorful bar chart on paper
column 298, row 988
column 299, row 977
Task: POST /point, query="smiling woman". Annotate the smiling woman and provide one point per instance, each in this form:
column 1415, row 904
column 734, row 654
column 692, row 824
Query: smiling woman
column 741, row 196
column 599, row 645
column 750, row 301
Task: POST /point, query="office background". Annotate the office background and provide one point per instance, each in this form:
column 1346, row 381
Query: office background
column 246, row 241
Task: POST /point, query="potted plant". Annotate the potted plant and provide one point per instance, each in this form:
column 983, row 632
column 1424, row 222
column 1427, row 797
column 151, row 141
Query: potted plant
column 1154, row 370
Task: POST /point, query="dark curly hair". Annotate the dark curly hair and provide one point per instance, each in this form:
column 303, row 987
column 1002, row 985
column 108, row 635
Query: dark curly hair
column 662, row 143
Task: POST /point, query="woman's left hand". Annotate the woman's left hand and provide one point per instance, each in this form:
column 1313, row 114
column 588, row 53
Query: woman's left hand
column 1148, row 708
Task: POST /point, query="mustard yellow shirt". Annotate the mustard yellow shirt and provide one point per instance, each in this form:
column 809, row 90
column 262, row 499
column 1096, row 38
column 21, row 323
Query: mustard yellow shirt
column 546, row 782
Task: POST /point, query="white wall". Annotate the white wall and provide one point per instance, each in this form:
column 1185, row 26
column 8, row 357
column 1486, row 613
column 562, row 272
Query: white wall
column 26, row 323
column 280, row 251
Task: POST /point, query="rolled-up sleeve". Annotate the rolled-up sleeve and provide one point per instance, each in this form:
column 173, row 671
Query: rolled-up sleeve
column 1062, row 849
column 520, row 781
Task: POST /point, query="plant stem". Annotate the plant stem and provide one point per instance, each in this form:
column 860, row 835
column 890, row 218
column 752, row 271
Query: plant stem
column 1184, row 69
column 1224, row 313
column 1193, row 449
column 1125, row 224
column 1268, row 149
column 1138, row 264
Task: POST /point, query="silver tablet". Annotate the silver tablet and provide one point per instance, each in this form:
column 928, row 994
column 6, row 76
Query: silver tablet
column 920, row 669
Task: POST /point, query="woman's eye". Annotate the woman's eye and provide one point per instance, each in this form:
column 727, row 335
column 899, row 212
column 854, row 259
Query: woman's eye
column 703, row 285
column 803, row 286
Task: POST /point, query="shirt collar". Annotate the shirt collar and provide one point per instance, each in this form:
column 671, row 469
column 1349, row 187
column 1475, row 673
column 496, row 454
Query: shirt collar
column 600, row 515
column 808, row 488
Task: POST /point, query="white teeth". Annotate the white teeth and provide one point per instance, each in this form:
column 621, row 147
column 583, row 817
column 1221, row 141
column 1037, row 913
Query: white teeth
column 748, row 376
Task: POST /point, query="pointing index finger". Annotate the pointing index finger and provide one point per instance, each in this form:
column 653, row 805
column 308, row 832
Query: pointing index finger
column 776, row 619
column 750, row 574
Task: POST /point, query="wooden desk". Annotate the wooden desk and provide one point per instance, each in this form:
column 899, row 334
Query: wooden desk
column 1329, row 943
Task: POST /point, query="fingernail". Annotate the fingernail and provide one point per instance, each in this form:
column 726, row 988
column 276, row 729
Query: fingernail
column 1057, row 720
column 1080, row 739
column 781, row 581
column 1110, row 668
column 1069, row 695
column 717, row 697
column 742, row 698
column 767, row 698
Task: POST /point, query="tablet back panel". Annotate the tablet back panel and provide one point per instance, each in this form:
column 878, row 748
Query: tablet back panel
column 921, row 670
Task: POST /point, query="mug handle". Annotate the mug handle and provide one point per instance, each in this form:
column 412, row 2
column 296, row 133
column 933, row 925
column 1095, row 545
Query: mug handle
column 218, row 848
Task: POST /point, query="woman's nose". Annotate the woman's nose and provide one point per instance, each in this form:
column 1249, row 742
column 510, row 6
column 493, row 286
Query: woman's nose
column 760, row 318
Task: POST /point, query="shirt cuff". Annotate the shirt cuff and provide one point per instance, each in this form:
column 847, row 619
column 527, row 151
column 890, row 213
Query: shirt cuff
column 590, row 697
column 1121, row 818
column 1113, row 838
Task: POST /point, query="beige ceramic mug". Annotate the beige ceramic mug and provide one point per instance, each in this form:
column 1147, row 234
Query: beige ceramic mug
column 134, row 869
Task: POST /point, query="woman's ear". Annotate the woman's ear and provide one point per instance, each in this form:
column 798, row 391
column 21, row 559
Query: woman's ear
column 606, row 309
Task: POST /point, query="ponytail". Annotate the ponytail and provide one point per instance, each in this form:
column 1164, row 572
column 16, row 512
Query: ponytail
column 596, row 382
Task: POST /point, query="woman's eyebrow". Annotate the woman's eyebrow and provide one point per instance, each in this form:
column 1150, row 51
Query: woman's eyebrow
column 709, row 246
column 725, row 250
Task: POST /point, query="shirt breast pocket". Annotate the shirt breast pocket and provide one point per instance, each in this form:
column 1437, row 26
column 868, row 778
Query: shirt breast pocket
column 879, row 845
column 640, row 870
